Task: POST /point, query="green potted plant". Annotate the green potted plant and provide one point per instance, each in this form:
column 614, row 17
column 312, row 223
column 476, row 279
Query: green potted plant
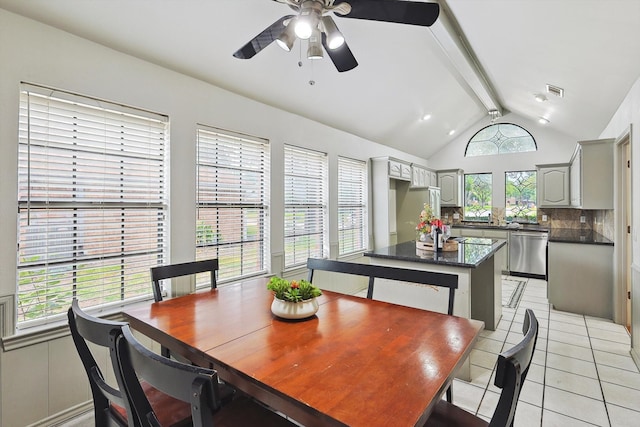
column 295, row 299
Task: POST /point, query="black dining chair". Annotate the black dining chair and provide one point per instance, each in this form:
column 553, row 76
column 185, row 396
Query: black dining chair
column 443, row 280
column 191, row 384
column 511, row 372
column 169, row 271
column 162, row 272
column 111, row 407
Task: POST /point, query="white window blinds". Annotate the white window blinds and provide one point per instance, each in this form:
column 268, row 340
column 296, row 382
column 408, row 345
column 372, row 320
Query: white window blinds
column 91, row 203
column 232, row 202
column 352, row 206
column 305, row 195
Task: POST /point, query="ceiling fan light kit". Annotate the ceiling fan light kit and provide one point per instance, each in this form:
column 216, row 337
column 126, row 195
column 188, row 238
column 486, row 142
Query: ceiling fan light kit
column 335, row 39
column 315, row 45
column 287, row 38
column 313, row 23
column 310, row 14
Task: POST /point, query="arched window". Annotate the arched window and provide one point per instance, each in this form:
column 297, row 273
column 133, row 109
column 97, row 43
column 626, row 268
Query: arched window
column 500, row 138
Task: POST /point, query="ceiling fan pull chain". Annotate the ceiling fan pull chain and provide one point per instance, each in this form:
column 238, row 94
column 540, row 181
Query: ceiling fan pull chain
column 300, row 54
column 312, row 81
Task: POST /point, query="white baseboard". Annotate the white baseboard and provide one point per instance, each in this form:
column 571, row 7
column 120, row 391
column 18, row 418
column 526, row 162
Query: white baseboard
column 64, row 416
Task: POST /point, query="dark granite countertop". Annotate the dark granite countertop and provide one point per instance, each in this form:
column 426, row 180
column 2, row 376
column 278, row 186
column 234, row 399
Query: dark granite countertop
column 472, row 252
column 570, row 235
column 485, row 226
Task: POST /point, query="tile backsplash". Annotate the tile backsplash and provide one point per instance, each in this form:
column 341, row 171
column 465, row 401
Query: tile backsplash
column 600, row 221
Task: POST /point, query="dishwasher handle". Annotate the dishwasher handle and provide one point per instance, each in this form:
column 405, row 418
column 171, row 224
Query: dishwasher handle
column 538, row 236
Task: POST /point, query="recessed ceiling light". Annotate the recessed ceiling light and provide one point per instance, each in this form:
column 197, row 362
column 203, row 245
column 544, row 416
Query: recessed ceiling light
column 426, row 117
column 540, row 97
column 543, row 121
column 452, row 131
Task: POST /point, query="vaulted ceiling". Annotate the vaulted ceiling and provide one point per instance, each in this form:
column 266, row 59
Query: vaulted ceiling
column 479, row 54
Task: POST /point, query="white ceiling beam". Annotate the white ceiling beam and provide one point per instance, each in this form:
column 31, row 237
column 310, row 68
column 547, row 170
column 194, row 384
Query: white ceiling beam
column 456, row 48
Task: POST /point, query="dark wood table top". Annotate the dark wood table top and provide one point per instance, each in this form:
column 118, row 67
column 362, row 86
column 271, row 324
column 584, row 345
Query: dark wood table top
column 358, row 362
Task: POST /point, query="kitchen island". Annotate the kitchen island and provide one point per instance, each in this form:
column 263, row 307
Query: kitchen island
column 475, row 262
column 581, row 272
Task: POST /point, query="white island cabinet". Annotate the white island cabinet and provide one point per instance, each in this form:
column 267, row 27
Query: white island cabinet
column 580, row 278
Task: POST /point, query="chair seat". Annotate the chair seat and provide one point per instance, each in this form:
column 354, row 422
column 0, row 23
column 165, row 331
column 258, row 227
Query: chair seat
column 244, row 411
column 448, row 415
column 170, row 412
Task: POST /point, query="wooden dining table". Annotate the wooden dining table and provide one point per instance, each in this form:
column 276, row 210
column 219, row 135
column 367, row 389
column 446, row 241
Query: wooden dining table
column 357, row 362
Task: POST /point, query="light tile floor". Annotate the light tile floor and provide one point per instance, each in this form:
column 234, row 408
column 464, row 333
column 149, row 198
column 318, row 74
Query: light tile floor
column 581, row 374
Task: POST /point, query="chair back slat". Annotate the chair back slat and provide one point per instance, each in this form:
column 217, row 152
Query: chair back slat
column 103, row 333
column 192, row 384
column 445, row 280
column 162, row 272
column 511, row 372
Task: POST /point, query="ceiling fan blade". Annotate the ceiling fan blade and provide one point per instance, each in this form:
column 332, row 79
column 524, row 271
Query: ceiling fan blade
column 263, row 39
column 341, row 57
column 401, row 12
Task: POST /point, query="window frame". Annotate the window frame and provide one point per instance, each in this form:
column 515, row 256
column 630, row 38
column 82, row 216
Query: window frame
column 354, row 172
column 535, row 197
column 243, row 161
column 498, row 146
column 314, row 179
column 98, row 173
column 484, row 218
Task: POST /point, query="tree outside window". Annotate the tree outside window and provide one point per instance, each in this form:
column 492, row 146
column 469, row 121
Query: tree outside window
column 520, row 196
column 477, row 196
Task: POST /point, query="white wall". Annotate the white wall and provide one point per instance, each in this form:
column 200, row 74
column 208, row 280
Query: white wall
column 628, row 115
column 553, row 147
column 35, row 53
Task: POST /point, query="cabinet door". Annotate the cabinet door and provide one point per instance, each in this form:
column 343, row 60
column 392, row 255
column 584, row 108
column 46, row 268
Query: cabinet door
column 576, row 180
column 395, row 169
column 424, row 178
column 415, row 177
column 595, row 187
column 448, row 183
column 433, row 179
column 405, row 171
column 434, row 201
column 553, row 186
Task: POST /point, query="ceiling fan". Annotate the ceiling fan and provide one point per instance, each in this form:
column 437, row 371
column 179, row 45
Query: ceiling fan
column 314, row 23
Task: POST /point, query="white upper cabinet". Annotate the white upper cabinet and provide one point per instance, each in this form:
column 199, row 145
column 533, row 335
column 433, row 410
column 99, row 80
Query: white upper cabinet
column 399, row 170
column 553, row 185
column 592, row 175
column 451, row 190
column 421, row 177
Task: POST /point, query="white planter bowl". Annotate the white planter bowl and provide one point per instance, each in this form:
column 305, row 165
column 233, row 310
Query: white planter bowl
column 294, row 310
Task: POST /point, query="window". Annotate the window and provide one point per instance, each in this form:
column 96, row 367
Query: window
column 92, row 203
column 477, row 196
column 520, row 196
column 352, row 206
column 232, row 202
column 305, row 206
column 500, row 138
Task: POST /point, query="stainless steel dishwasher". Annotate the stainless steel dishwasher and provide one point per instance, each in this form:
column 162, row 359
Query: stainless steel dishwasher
column 528, row 253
